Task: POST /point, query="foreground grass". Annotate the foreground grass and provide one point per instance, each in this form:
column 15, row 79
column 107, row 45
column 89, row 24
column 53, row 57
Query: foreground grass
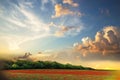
column 37, row 76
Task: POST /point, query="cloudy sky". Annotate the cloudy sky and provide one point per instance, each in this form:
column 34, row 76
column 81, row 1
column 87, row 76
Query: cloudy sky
column 85, row 32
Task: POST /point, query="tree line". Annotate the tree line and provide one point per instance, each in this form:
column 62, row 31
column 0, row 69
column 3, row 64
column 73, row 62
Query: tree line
column 24, row 64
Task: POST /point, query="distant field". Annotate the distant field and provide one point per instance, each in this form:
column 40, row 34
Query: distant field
column 49, row 74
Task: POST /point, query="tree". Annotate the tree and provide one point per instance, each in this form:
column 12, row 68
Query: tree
column 24, row 64
column 69, row 66
column 15, row 66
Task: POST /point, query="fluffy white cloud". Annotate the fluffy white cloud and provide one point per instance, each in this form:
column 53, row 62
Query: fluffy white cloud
column 60, row 10
column 106, row 41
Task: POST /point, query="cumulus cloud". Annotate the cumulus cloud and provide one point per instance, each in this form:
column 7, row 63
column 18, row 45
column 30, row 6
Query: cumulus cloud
column 105, row 42
column 60, row 10
column 70, row 2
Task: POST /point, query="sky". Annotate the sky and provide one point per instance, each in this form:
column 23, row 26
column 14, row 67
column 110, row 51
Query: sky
column 80, row 32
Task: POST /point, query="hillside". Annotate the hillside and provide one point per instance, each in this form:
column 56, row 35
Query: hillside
column 24, row 64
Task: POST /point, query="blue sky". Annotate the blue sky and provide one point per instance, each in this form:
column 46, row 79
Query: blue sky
column 55, row 25
column 43, row 11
